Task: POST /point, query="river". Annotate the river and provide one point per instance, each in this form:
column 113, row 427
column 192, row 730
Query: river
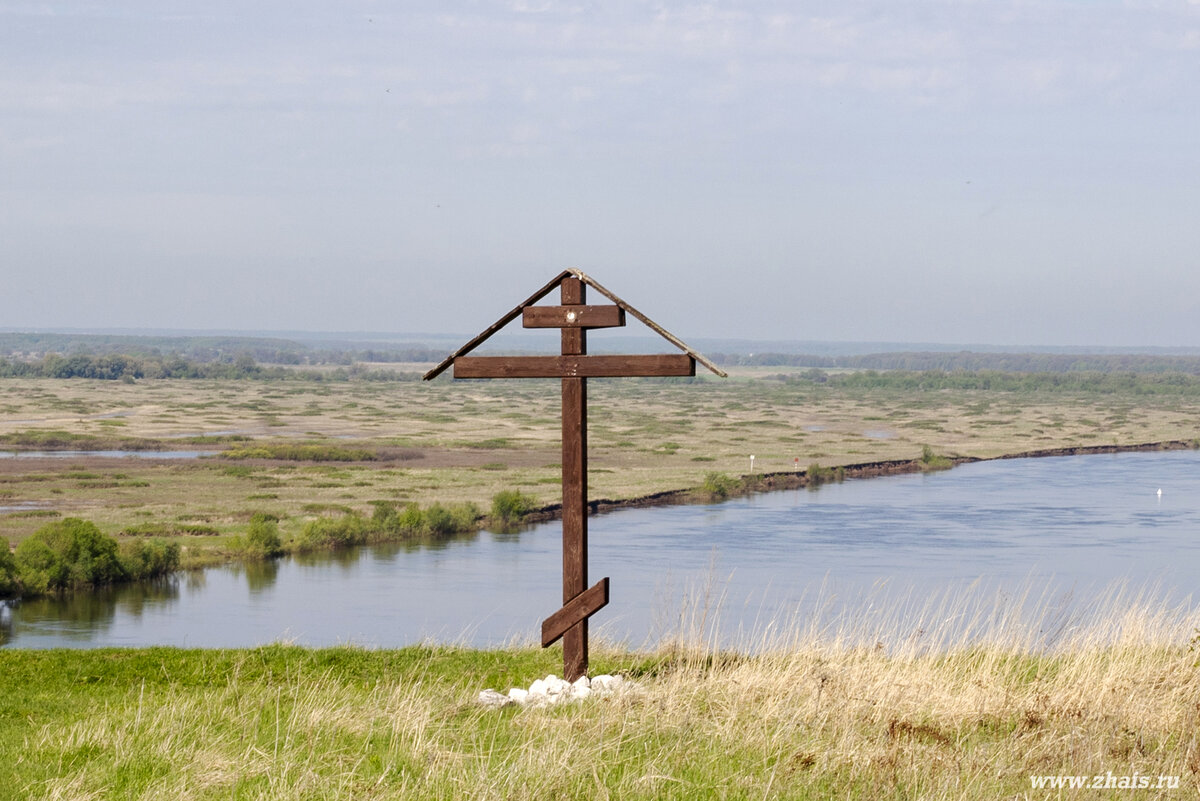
column 903, row 553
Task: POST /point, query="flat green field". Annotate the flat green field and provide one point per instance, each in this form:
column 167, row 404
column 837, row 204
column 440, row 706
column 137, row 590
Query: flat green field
column 362, row 442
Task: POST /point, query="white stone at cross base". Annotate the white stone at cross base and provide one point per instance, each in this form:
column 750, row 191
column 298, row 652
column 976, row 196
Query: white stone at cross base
column 553, row 690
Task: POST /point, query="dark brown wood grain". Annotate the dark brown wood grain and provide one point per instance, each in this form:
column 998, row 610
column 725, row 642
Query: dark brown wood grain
column 573, row 317
column 586, row 280
column 668, row 364
column 496, row 326
column 574, row 486
column 577, row 610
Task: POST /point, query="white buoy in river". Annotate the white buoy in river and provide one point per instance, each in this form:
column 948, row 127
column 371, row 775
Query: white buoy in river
column 1160, row 492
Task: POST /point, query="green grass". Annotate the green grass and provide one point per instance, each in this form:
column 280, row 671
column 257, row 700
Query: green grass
column 299, row 452
column 817, row 719
column 718, row 486
column 931, row 461
column 278, row 722
column 509, row 506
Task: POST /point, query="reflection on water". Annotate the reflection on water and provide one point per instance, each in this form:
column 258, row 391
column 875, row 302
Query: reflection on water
column 387, row 553
column 1051, row 534
column 79, row 618
column 195, row 580
column 345, row 559
column 260, row 575
column 5, row 623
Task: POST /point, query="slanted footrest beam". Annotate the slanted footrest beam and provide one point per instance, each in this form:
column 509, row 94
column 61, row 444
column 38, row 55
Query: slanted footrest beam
column 579, row 608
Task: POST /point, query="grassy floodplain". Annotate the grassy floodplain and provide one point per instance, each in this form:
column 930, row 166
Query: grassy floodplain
column 309, row 449
column 814, row 717
column 889, row 714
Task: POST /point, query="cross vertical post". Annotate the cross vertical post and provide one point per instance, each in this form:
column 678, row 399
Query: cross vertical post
column 574, row 487
column 573, row 366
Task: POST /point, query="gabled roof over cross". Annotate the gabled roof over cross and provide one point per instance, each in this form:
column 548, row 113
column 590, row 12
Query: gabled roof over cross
column 520, row 310
column 574, row 366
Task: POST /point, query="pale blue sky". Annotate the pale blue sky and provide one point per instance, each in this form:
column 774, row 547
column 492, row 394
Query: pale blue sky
column 988, row 172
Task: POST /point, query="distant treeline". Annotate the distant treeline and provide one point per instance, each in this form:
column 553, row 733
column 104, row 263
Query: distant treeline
column 207, row 349
column 1126, row 383
column 113, row 356
column 118, row 367
column 972, row 361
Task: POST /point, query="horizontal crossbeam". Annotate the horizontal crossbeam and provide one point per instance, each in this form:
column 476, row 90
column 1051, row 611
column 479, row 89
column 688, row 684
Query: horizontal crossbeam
column 573, row 317
column 672, row 364
column 581, row 607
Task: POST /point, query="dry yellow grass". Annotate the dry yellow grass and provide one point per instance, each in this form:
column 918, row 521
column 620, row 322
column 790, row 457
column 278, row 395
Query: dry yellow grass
column 809, row 714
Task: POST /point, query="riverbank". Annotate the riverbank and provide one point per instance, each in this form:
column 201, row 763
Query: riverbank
column 799, row 479
column 456, row 443
column 391, row 523
column 812, row 717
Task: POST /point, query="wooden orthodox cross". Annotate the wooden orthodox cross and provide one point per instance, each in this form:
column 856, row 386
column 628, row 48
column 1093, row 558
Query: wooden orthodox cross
column 574, row 366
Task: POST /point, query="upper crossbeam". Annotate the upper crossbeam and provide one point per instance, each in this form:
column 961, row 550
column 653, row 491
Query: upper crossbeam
column 573, row 317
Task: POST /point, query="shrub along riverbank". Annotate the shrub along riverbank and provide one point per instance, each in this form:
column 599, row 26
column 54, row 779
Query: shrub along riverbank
column 812, row 716
column 73, row 555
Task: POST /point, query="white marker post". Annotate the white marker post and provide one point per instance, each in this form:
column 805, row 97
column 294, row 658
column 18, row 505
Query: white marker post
column 751, row 464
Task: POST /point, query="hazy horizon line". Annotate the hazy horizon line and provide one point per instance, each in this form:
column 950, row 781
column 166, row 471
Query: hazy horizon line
column 793, row 346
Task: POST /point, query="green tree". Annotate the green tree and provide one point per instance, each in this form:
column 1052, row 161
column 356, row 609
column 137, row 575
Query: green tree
column 719, row 486
column 509, row 506
column 10, row 584
column 68, row 554
column 262, row 538
column 147, row 559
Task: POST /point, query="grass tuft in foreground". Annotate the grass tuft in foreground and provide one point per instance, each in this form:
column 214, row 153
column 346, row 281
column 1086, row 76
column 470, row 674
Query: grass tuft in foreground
column 818, row 715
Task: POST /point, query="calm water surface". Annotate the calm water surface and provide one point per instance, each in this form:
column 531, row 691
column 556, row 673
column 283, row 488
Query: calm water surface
column 1069, row 527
